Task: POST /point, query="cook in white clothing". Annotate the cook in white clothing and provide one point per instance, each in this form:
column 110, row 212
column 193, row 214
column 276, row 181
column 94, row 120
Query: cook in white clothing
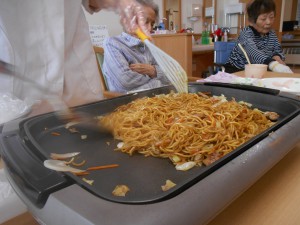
column 49, row 43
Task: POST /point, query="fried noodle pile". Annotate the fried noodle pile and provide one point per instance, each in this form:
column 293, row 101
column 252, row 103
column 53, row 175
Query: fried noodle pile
column 184, row 127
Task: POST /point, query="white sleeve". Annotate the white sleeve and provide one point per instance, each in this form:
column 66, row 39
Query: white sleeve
column 277, row 67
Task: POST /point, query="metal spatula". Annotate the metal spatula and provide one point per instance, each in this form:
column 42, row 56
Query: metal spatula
column 62, row 110
column 171, row 68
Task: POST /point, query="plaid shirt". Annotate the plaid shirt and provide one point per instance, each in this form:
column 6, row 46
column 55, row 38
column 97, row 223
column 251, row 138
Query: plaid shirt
column 121, row 51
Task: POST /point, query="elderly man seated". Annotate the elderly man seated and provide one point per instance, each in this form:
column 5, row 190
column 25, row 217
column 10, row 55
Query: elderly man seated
column 128, row 64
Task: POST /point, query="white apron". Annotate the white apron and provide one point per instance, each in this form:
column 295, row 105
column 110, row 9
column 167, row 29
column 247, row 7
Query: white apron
column 49, row 43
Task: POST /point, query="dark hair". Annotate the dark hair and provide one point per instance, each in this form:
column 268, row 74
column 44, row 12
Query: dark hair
column 151, row 4
column 258, row 7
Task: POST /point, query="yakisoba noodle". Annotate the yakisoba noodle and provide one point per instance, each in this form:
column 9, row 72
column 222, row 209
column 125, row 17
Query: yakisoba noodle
column 184, row 127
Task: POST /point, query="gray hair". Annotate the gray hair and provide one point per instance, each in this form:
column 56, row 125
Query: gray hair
column 151, row 4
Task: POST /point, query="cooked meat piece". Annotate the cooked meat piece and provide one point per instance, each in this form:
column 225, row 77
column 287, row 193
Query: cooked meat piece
column 273, row 116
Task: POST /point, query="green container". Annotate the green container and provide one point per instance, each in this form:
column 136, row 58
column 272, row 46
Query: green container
column 205, row 38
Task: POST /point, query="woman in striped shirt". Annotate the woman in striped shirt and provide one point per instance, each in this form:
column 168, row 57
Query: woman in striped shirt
column 128, row 64
column 259, row 40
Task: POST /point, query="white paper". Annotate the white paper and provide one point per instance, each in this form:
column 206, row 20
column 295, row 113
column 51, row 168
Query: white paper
column 98, row 33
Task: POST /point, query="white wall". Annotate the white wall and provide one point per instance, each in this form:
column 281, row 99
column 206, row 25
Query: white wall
column 160, row 6
column 220, row 12
column 186, row 8
column 110, row 19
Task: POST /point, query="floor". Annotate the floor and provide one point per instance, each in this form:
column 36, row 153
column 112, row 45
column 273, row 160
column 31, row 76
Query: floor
column 24, row 219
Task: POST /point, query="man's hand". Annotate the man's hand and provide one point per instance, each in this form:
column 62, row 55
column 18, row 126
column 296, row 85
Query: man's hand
column 144, row 69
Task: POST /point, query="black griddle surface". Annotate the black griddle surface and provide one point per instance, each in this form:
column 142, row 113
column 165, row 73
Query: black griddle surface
column 143, row 175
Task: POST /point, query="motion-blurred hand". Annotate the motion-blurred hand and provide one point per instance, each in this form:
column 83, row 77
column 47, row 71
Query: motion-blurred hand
column 277, row 67
column 132, row 16
column 131, row 13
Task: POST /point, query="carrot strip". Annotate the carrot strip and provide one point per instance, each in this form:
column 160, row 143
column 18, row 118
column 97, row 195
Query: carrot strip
column 81, row 173
column 102, row 167
column 55, row 133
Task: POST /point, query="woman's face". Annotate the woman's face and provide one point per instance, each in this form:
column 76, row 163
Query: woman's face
column 264, row 22
column 150, row 18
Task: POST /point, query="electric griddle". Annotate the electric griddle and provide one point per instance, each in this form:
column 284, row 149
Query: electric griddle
column 200, row 193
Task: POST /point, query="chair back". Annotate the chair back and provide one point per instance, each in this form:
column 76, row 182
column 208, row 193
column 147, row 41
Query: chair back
column 99, row 52
column 222, row 51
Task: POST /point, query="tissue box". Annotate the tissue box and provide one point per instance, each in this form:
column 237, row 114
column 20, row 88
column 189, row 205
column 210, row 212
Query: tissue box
column 222, row 51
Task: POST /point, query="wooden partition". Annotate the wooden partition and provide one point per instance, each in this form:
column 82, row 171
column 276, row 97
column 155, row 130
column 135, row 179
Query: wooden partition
column 202, row 59
column 179, row 46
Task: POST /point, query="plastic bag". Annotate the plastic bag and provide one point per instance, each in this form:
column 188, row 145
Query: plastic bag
column 12, row 107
